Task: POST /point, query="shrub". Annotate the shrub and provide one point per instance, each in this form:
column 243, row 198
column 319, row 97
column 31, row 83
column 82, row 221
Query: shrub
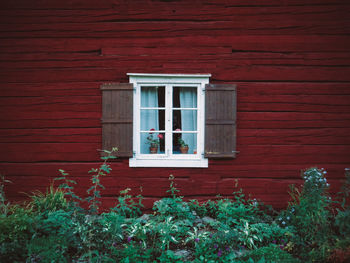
column 53, row 227
column 310, row 216
column 271, row 253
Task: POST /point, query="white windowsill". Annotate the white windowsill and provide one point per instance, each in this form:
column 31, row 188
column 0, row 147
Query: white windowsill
column 151, row 75
column 199, row 163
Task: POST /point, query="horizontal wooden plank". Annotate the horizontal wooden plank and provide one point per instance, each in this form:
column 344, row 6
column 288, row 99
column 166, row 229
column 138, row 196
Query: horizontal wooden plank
column 65, row 135
column 36, row 152
column 226, row 169
column 292, row 107
column 178, row 28
column 238, row 43
column 153, row 57
column 292, row 124
column 254, row 89
column 292, row 116
column 55, row 120
column 47, row 115
column 53, row 101
column 295, row 103
column 126, row 6
column 41, row 112
column 306, row 155
column 204, row 12
column 232, row 74
column 326, row 136
column 55, row 89
column 58, row 75
column 324, row 100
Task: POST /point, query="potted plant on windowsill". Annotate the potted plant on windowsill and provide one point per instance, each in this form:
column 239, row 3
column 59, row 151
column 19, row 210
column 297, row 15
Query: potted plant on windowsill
column 183, row 146
column 153, row 142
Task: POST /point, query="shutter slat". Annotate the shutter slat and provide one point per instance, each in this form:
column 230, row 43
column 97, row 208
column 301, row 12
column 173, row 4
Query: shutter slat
column 117, row 115
column 110, row 121
column 220, row 121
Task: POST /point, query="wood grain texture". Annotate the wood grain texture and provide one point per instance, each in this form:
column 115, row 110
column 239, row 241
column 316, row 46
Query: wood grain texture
column 289, row 59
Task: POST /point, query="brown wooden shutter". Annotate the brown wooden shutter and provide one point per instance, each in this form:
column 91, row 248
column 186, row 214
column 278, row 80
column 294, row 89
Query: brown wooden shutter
column 117, row 108
column 220, row 121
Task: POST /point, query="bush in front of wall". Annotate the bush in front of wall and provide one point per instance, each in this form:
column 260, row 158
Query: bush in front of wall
column 310, row 216
column 53, row 227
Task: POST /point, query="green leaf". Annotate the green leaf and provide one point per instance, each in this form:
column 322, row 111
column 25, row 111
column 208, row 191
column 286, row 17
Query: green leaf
column 106, row 168
column 59, row 178
column 72, row 181
column 91, row 188
column 93, row 170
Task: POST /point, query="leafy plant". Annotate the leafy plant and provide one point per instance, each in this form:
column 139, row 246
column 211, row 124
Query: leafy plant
column 127, row 206
column 309, row 214
column 4, row 204
column 342, row 219
column 182, row 142
column 173, row 206
column 153, row 141
column 94, row 190
column 52, row 200
column 54, row 228
column 271, row 253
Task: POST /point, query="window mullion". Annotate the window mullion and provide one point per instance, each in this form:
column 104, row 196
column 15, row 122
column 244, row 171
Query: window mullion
column 168, row 124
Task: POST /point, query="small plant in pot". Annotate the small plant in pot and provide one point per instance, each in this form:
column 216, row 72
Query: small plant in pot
column 153, row 141
column 183, row 146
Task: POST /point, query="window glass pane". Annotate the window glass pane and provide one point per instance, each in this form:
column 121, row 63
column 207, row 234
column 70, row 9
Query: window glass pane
column 184, row 143
column 152, row 97
column 185, row 97
column 152, row 119
column 152, row 143
column 185, row 120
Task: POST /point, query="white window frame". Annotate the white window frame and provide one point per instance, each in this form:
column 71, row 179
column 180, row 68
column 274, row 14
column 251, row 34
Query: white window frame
column 169, row 159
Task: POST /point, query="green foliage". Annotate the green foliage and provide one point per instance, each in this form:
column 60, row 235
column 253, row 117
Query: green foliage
column 127, row 206
column 310, row 215
column 95, row 189
column 52, row 200
column 232, row 212
column 271, row 253
column 16, row 231
column 342, row 219
column 173, row 206
column 4, row 205
column 53, row 227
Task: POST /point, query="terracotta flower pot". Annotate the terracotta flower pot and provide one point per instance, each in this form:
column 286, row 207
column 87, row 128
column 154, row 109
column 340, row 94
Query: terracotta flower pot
column 153, row 148
column 184, row 149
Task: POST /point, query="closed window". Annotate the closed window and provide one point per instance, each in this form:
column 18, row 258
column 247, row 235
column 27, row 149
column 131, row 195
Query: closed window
column 169, row 120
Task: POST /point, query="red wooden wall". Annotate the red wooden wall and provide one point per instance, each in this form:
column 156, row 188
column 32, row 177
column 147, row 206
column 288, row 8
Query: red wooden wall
column 290, row 60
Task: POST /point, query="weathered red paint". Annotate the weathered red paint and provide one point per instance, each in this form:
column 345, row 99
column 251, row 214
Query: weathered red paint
column 289, row 59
